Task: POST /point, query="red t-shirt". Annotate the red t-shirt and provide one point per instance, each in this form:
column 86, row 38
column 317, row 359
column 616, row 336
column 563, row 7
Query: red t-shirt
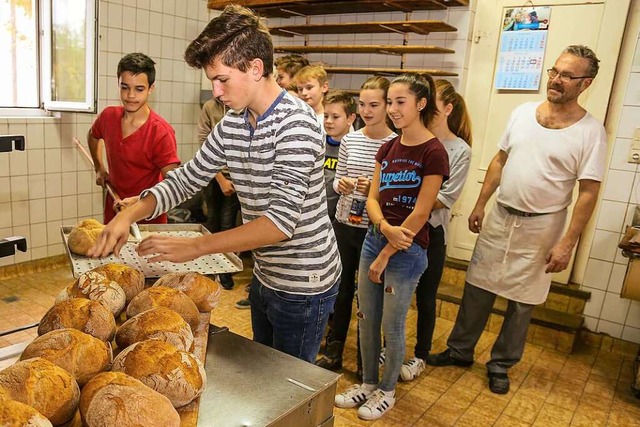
column 135, row 162
column 402, row 168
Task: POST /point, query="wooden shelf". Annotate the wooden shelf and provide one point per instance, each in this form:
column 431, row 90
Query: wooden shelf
column 387, row 71
column 378, row 48
column 418, row 27
column 288, row 8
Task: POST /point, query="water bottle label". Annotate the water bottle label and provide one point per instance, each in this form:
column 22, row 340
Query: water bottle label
column 357, row 208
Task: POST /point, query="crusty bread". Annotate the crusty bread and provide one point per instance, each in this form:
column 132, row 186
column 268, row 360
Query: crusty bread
column 161, row 323
column 129, row 279
column 162, row 296
column 91, row 317
column 49, row 389
column 80, row 354
column 18, row 414
column 116, row 399
column 96, row 287
column 176, row 374
column 83, row 235
column 202, row 290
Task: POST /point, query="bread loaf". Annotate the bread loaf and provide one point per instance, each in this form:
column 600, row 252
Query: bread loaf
column 161, row 323
column 161, row 296
column 17, row 414
column 176, row 374
column 115, row 399
column 96, row 287
column 80, row 354
column 202, row 290
column 84, row 235
column 49, row 389
column 91, row 317
column 130, row 280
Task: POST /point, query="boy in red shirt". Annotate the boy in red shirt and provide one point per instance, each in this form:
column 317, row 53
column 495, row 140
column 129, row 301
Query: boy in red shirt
column 140, row 145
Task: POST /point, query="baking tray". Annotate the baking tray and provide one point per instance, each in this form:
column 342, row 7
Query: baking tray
column 207, row 264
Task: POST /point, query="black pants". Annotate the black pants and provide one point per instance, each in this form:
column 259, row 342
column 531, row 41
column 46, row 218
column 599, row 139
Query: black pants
column 427, row 290
column 350, row 241
column 221, row 210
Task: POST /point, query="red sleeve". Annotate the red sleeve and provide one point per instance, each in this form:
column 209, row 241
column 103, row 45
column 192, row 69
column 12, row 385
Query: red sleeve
column 165, row 151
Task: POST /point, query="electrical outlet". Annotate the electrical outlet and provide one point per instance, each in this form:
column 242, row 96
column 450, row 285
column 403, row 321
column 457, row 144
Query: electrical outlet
column 634, row 153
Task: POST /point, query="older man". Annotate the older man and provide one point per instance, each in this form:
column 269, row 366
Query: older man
column 546, row 147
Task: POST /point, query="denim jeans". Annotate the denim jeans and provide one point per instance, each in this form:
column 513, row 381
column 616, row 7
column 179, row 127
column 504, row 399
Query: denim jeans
column 385, row 305
column 291, row 323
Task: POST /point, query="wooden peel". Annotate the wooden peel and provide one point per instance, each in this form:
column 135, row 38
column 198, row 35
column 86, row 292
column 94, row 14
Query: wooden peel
column 135, row 231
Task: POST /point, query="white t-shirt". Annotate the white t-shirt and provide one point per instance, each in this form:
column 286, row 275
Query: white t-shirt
column 543, row 164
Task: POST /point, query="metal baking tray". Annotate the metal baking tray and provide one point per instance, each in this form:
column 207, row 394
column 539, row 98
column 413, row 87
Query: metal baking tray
column 207, row 264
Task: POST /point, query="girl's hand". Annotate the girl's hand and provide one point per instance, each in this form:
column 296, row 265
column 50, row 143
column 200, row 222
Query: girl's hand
column 400, row 238
column 346, row 185
column 362, row 185
column 119, row 205
column 377, row 268
column 169, row 248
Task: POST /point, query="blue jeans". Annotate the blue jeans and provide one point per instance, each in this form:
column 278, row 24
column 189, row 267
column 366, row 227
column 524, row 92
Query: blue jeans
column 385, row 305
column 291, row 323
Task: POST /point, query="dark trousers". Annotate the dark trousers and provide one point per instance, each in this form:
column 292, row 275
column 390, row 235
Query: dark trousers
column 350, row 241
column 221, row 210
column 427, row 290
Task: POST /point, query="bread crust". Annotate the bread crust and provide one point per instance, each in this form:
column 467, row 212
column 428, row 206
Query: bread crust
column 176, row 374
column 162, row 296
column 161, row 323
column 17, row 414
column 202, row 290
column 96, row 287
column 88, row 316
column 80, row 354
column 130, row 279
column 83, row 236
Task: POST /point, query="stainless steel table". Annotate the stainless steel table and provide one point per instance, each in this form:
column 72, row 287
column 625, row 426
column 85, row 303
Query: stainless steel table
column 249, row 384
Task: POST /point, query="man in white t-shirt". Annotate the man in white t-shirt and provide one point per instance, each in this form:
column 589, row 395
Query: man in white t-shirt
column 545, row 149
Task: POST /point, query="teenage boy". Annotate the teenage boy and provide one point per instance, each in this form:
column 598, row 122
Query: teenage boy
column 272, row 145
column 339, row 115
column 312, row 84
column 140, row 145
column 287, row 67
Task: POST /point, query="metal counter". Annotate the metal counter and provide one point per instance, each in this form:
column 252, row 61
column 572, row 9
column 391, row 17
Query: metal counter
column 249, row 384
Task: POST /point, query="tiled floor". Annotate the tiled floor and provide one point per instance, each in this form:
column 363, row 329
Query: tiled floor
column 588, row 388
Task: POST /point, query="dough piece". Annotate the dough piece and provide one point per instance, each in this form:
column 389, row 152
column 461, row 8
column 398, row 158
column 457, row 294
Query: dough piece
column 91, row 317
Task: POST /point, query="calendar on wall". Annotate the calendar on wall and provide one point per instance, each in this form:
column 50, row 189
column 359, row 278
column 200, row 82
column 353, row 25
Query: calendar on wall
column 522, row 46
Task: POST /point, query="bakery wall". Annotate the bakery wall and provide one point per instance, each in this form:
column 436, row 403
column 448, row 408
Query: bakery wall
column 51, row 184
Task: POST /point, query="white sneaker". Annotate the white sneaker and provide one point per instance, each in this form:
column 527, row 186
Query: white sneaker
column 383, row 357
column 412, row 368
column 376, row 406
column 354, row 396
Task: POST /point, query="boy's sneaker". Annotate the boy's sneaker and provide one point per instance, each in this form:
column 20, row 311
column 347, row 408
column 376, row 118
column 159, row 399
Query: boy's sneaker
column 383, row 357
column 243, row 304
column 412, row 368
column 376, row 406
column 354, row 396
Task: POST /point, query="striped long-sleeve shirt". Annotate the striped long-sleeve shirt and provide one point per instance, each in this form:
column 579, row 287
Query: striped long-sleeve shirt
column 277, row 171
column 357, row 157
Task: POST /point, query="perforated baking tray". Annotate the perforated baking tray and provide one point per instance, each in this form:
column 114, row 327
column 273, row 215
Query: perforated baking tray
column 208, row 264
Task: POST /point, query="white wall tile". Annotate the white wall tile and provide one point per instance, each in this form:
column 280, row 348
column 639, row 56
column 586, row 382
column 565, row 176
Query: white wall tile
column 604, row 245
column 69, row 207
column 37, row 211
column 614, row 308
column 20, row 213
column 68, row 159
column 142, row 21
column 52, row 160
column 37, row 188
column 613, row 329
column 597, row 274
column 114, row 18
column 129, row 18
column 35, row 160
column 53, row 182
column 35, row 136
column 618, row 186
column 19, row 188
column 591, row 323
column 4, row 166
column 620, row 155
column 37, row 253
column 631, row 334
column 628, row 121
column 54, row 208
column 5, row 190
column 85, row 207
column 594, row 305
column 18, row 163
column 611, row 216
column 168, row 7
column 616, row 281
column 632, row 96
column 155, row 22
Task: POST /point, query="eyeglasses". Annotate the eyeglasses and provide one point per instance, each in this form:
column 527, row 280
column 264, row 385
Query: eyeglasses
column 564, row 78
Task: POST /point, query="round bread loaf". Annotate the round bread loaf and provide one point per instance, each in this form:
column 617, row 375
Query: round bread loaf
column 17, row 414
column 83, row 235
column 202, row 290
column 91, row 317
column 80, row 354
column 176, row 374
column 162, row 296
column 130, row 280
column 96, row 287
column 116, row 399
column 161, row 323
column 49, row 389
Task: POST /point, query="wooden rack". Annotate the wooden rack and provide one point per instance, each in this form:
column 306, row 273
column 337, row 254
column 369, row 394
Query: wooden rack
column 418, row 27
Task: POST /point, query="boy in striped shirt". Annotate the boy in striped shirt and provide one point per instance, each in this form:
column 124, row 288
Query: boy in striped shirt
column 271, row 143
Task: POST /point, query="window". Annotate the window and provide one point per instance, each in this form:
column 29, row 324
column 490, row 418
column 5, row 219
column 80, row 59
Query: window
column 48, row 50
